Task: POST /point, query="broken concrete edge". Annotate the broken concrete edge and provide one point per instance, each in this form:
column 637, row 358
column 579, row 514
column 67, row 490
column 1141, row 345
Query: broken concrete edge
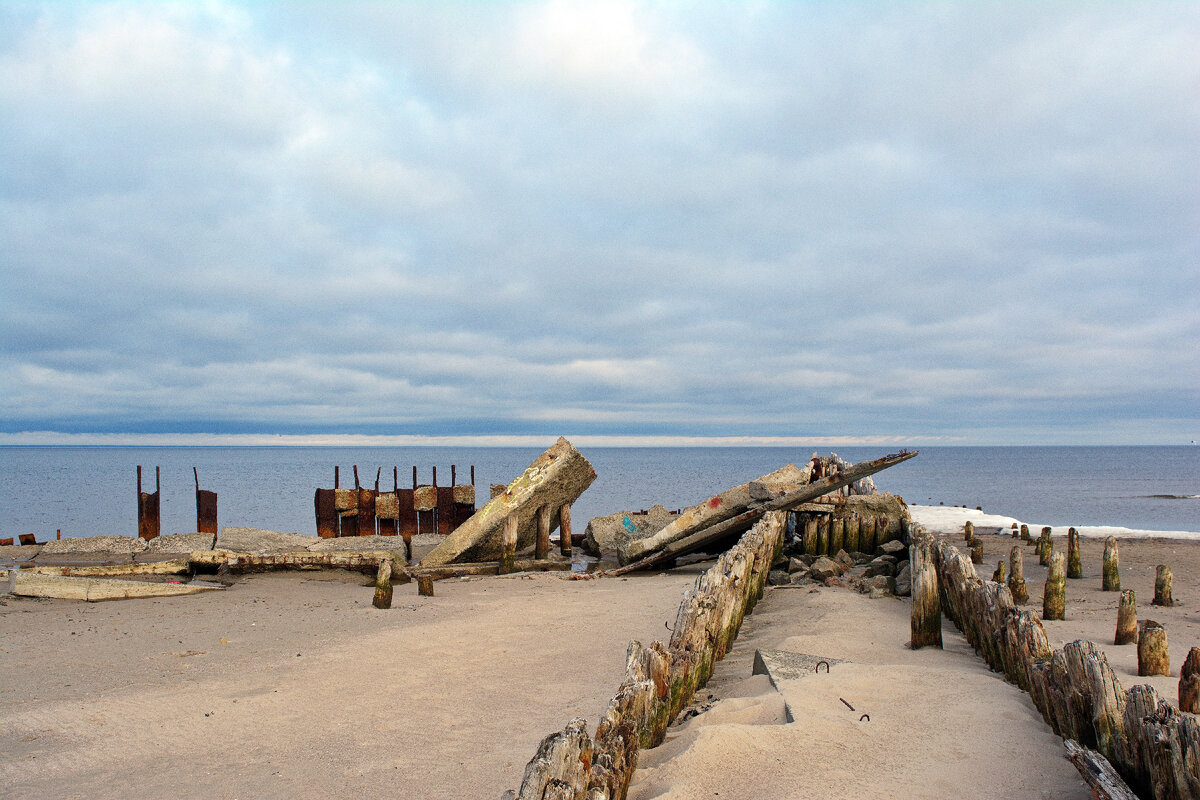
column 30, row 584
column 660, row 680
column 556, row 478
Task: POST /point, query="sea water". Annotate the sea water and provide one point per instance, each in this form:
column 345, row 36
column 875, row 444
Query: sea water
column 91, row 491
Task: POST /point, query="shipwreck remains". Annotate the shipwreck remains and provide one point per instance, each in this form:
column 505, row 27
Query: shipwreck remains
column 148, row 518
column 425, row 508
column 553, row 481
column 733, row 512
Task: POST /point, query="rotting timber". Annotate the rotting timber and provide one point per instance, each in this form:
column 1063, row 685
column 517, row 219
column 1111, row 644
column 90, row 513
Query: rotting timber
column 679, row 540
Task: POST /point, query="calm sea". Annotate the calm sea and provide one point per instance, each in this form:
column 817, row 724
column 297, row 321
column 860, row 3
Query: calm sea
column 86, row 491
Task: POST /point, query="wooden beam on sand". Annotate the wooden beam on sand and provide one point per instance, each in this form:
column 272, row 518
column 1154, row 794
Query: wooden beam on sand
column 366, row 562
column 464, row 569
column 1106, row 782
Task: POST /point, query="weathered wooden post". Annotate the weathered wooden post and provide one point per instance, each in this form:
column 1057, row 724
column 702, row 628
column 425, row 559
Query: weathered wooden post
column 866, row 537
column 1054, row 595
column 853, row 526
column 541, row 548
column 564, row 530
column 508, row 544
column 1153, row 658
column 1074, row 564
column 1162, row 587
column 968, row 531
column 837, row 535
column 926, row 623
column 823, row 535
column 882, row 525
column 1111, row 576
column 976, row 551
column 998, row 575
column 425, row 585
column 1045, row 547
column 1127, row 627
column 1024, row 533
column 1189, row 682
column 1014, row 530
column 810, row 534
column 1016, row 576
column 383, row 585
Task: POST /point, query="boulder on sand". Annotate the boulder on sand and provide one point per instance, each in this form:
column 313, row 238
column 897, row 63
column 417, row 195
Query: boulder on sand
column 605, row 536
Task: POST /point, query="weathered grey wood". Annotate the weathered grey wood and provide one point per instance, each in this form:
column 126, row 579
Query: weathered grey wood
column 1074, row 563
column 176, row 566
column 809, row 537
column 837, row 535
column 1045, row 546
column 1098, row 773
column 1024, row 532
column 1111, row 575
column 926, row 624
column 1162, row 586
column 968, row 531
column 1153, row 657
column 853, row 533
column 425, row 585
column 688, row 532
column 383, row 585
column 461, row 569
column 1016, row 576
column 1127, row 626
column 823, row 535
column 998, row 575
column 719, row 508
column 1189, row 682
column 508, row 543
column 542, row 547
column 556, row 478
column 866, row 535
column 1054, row 595
column 564, row 529
column 977, row 551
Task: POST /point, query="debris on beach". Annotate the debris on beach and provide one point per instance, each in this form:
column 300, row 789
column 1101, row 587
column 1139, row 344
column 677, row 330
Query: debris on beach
column 553, row 481
column 605, row 536
column 727, row 515
column 405, row 512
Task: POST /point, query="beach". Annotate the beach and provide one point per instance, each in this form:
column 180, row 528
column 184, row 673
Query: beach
column 292, row 685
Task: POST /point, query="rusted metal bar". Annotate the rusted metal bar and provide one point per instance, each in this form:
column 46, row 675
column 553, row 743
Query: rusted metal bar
column 327, row 516
column 148, row 518
column 366, row 512
column 206, row 507
column 26, row 538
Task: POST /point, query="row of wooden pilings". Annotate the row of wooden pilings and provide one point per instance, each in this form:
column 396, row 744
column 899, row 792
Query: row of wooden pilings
column 1152, row 745
column 659, row 679
column 824, row 534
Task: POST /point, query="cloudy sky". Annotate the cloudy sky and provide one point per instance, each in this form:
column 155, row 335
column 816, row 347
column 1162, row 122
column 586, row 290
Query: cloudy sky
column 971, row 223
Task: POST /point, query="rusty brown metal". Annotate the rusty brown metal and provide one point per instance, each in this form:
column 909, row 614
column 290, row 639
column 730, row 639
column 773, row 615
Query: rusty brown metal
column 327, row 516
column 206, row 508
column 8, row 542
column 148, row 518
column 366, row 512
column 406, row 522
column 447, row 511
column 26, row 538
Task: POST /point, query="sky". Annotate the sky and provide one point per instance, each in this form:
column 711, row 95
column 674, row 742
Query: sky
column 972, row 223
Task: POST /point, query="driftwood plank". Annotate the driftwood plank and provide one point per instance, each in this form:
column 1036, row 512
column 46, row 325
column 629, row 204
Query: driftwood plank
column 1105, row 781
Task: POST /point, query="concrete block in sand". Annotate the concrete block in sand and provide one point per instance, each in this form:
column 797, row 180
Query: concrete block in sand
column 261, row 542
column 181, row 543
column 784, row 665
column 122, row 545
column 425, row 543
column 606, row 536
column 356, row 544
column 95, row 589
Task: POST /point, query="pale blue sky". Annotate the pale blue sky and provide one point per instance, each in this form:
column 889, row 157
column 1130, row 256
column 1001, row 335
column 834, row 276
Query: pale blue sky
column 972, row 223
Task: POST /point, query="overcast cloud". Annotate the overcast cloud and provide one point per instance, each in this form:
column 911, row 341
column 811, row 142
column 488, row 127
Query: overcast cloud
column 972, row 222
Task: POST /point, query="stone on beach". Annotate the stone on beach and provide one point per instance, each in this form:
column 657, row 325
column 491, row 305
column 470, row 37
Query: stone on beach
column 605, row 536
column 348, row 544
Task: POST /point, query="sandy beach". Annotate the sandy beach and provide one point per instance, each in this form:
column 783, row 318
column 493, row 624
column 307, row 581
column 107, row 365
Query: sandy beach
column 292, row 685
